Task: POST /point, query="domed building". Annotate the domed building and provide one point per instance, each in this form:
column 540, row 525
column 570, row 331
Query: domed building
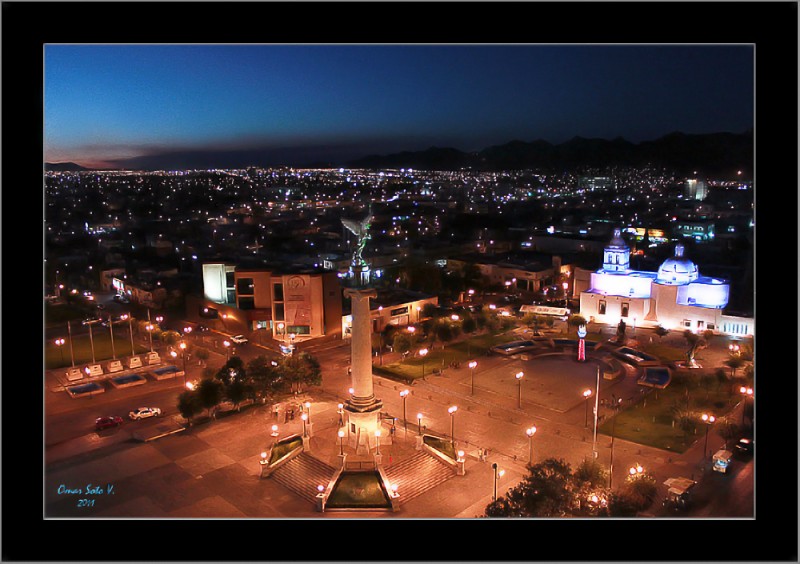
column 675, row 297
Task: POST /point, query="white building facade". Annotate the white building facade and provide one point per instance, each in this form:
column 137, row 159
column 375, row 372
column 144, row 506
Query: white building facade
column 676, row 297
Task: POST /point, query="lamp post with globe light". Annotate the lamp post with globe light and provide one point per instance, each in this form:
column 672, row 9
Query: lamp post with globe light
column 519, row 376
column 530, row 432
column 472, row 364
column 586, row 394
column 452, row 411
column 746, row 392
column 403, row 395
column 497, row 474
column 60, row 343
column 708, row 420
column 422, row 353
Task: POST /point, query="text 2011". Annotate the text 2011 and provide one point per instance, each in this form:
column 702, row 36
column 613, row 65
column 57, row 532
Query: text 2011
column 85, row 503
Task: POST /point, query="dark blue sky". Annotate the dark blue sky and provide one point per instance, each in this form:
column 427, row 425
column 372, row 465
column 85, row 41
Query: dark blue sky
column 108, row 103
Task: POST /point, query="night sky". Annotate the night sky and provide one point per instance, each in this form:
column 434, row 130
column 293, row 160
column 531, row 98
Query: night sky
column 107, row 105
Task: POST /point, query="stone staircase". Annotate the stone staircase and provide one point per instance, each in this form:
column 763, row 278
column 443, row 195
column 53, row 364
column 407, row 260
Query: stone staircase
column 303, row 474
column 417, row 474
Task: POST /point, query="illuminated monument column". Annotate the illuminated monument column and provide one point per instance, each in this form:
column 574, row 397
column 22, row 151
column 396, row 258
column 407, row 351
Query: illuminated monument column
column 363, row 409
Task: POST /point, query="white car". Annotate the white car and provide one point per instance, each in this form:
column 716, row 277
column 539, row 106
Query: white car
column 144, row 412
column 239, row 339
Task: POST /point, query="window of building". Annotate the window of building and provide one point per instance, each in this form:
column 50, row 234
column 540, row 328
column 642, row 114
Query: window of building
column 601, row 307
column 700, row 324
column 246, row 303
column 277, row 293
column 687, row 322
column 298, row 329
column 711, row 326
column 624, row 310
column 231, row 296
column 244, row 286
column 279, row 312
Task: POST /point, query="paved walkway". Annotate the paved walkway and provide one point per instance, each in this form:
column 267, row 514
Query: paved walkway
column 212, row 469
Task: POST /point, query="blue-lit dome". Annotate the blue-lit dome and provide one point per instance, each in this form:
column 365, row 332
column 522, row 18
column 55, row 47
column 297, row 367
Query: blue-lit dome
column 677, row 270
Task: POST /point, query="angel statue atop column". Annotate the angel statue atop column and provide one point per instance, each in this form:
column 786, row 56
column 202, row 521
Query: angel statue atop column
column 361, row 230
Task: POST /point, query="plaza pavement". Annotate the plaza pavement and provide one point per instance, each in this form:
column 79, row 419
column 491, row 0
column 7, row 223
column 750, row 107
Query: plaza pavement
column 211, row 470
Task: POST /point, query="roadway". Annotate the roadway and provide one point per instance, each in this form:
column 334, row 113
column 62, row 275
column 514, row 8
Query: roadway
column 488, row 419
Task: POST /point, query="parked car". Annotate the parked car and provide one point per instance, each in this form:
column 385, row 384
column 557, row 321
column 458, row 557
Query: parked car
column 744, row 447
column 90, row 320
column 202, row 328
column 239, row 339
column 144, row 412
column 106, row 422
column 121, row 299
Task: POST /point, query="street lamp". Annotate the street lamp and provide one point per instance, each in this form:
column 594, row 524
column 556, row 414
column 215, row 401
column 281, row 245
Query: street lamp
column 422, row 353
column 378, row 441
column 111, row 332
column 586, row 394
column 182, row 346
column 304, row 417
column 341, row 442
column 530, row 432
column 60, row 343
column 635, row 471
column 566, row 300
column 403, row 395
column 419, row 423
column 519, row 376
column 149, row 328
column 227, row 346
column 308, row 410
column 734, row 349
column 616, row 403
column 497, row 474
column 743, row 390
column 280, row 331
column 274, row 432
column 708, row 420
column 452, row 411
column 472, row 364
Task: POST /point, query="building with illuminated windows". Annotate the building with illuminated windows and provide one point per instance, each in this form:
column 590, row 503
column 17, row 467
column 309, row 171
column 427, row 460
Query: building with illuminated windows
column 303, row 302
column 676, row 297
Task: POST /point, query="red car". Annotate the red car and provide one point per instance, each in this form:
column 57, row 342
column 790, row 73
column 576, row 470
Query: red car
column 105, row 422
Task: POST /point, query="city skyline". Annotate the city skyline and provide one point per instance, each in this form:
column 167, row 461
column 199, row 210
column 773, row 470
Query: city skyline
column 117, row 106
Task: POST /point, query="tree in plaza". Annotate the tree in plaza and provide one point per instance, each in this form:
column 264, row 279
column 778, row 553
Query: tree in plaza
column 469, row 324
column 236, row 392
column 641, row 489
column 622, row 504
column 202, row 354
column 734, row 362
column 696, row 343
column 547, row 491
column 170, row 338
column 442, row 332
column 232, row 370
column 591, row 472
column 265, row 378
column 401, row 343
column 189, row 405
column 661, row 331
column 301, row 369
column 210, row 391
